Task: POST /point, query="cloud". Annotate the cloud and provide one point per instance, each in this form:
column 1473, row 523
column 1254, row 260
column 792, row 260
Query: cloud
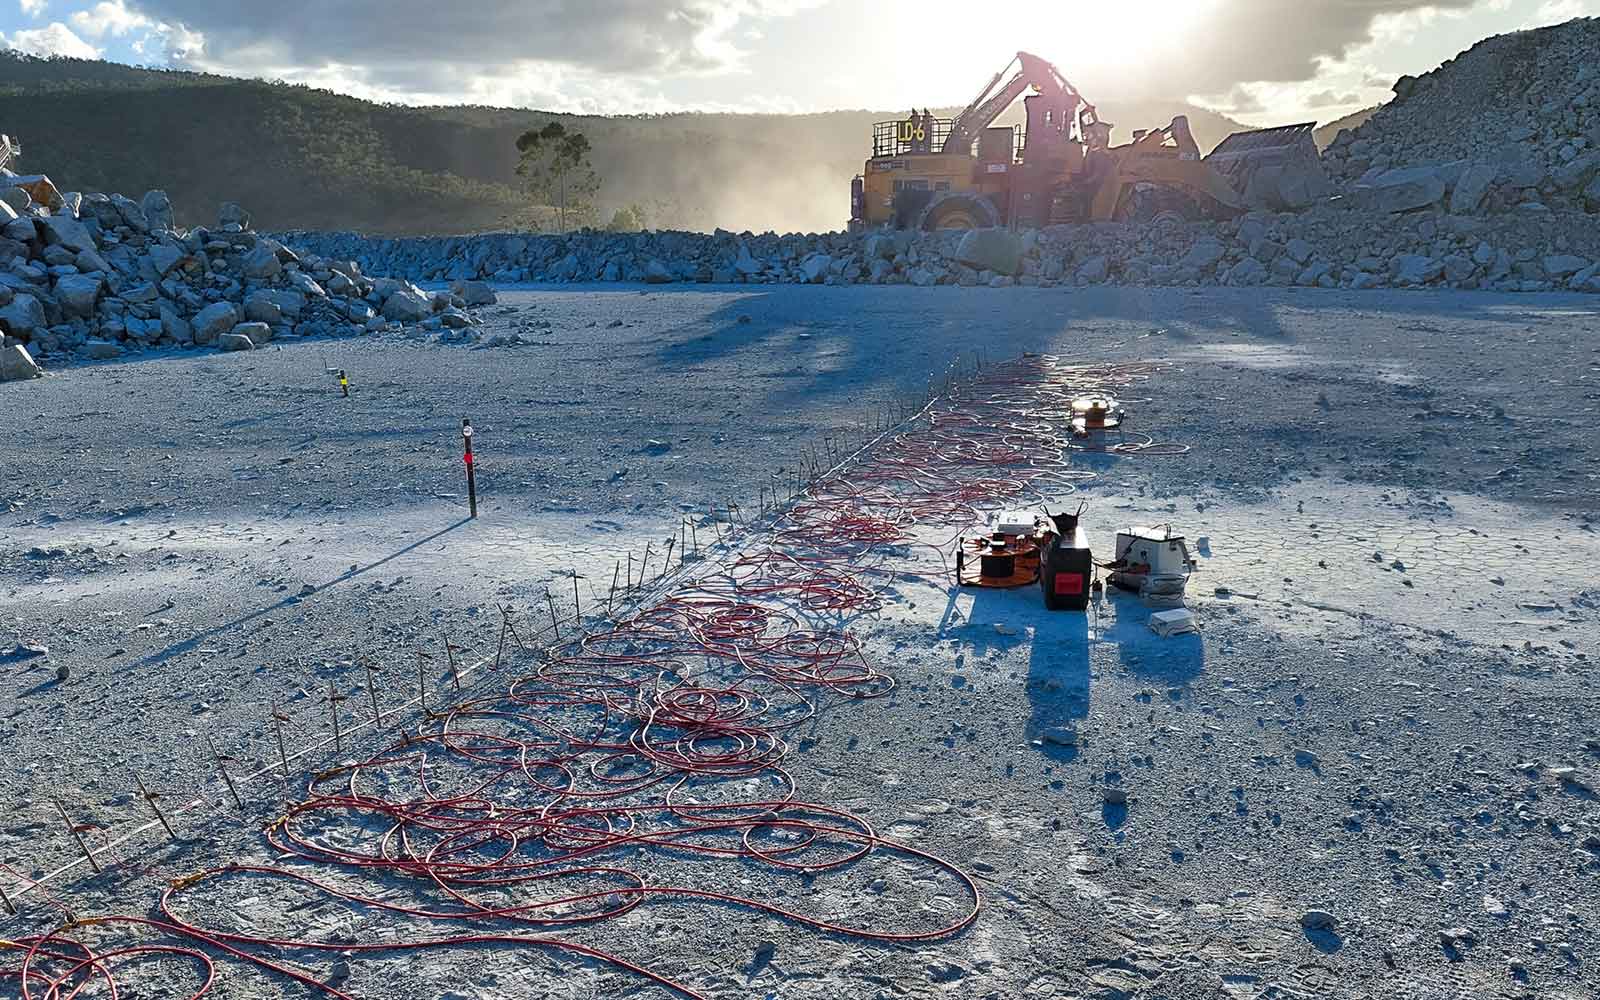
column 1561, row 10
column 32, row 8
column 110, row 17
column 55, row 39
column 1244, row 41
column 1328, row 99
column 1240, row 100
column 631, row 37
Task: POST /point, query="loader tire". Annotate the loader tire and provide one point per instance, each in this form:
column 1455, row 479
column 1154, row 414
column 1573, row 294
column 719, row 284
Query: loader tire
column 1149, row 204
column 959, row 210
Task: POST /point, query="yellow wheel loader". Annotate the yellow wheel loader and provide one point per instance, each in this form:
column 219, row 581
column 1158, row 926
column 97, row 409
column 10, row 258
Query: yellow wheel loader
column 965, row 173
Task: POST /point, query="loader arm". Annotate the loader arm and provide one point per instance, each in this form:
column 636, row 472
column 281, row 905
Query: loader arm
column 992, row 102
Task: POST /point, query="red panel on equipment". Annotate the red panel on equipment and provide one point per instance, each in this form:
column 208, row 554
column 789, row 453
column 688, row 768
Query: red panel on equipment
column 1069, row 583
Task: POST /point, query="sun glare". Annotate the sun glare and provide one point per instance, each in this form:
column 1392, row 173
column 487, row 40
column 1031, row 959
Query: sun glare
column 1096, row 44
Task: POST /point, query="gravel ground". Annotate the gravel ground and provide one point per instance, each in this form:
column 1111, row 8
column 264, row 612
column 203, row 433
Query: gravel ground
column 1378, row 720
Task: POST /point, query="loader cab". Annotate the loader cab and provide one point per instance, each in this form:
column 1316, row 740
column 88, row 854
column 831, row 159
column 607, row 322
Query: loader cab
column 909, row 169
column 1050, row 132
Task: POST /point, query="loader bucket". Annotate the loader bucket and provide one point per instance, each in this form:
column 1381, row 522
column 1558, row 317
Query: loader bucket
column 1278, row 169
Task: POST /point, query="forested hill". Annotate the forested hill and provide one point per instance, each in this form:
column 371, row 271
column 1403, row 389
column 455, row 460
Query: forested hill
column 300, row 158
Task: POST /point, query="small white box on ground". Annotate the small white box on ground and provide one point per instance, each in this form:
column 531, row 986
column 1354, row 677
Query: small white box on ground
column 1170, row 623
column 1015, row 522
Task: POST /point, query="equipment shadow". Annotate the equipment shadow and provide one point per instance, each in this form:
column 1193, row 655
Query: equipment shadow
column 1066, row 649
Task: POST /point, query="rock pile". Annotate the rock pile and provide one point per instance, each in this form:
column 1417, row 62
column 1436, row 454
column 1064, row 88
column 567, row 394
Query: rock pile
column 1512, row 124
column 1333, row 246
column 103, row 275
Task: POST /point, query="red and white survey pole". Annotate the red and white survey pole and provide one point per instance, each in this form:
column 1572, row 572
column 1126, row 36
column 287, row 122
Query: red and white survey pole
column 472, row 478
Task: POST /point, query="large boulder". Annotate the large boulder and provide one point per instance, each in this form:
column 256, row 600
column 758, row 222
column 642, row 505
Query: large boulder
column 16, row 199
column 997, row 250
column 1471, row 187
column 213, row 321
column 17, row 364
column 20, row 230
column 1564, row 265
column 60, row 230
column 305, row 284
column 233, row 218
column 175, row 326
column 132, row 214
column 746, row 264
column 1205, row 253
column 262, row 263
column 474, row 293
column 77, row 294
column 101, row 350
column 89, row 261
column 1094, row 270
column 23, row 316
column 815, row 268
column 164, row 257
column 1416, row 269
column 1402, row 190
column 158, row 210
column 259, row 333
column 407, row 305
column 259, row 308
column 235, row 342
column 657, row 273
column 290, row 302
column 1573, row 175
column 1248, row 271
column 1458, row 268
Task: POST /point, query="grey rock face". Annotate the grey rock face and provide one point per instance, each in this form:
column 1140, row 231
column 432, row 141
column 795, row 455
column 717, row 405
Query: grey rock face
column 261, row 263
column 257, row 333
column 78, row 293
column 23, row 316
column 1095, row 270
column 474, row 293
column 158, row 210
column 213, row 321
column 164, row 257
column 17, row 364
column 1471, row 187
column 259, row 308
column 1401, row 190
column 996, row 250
column 407, row 306
column 232, row 217
column 131, row 213
column 70, row 233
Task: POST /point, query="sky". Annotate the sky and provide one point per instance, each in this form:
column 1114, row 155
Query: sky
column 1259, row 61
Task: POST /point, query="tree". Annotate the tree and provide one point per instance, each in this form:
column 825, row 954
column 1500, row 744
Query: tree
column 555, row 166
column 628, row 219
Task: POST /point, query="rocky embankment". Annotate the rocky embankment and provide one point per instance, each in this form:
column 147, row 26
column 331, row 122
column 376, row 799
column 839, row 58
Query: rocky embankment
column 1332, row 246
column 1510, row 125
column 98, row 276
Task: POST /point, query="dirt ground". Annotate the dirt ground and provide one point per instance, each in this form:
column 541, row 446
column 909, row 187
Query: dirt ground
column 1389, row 713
